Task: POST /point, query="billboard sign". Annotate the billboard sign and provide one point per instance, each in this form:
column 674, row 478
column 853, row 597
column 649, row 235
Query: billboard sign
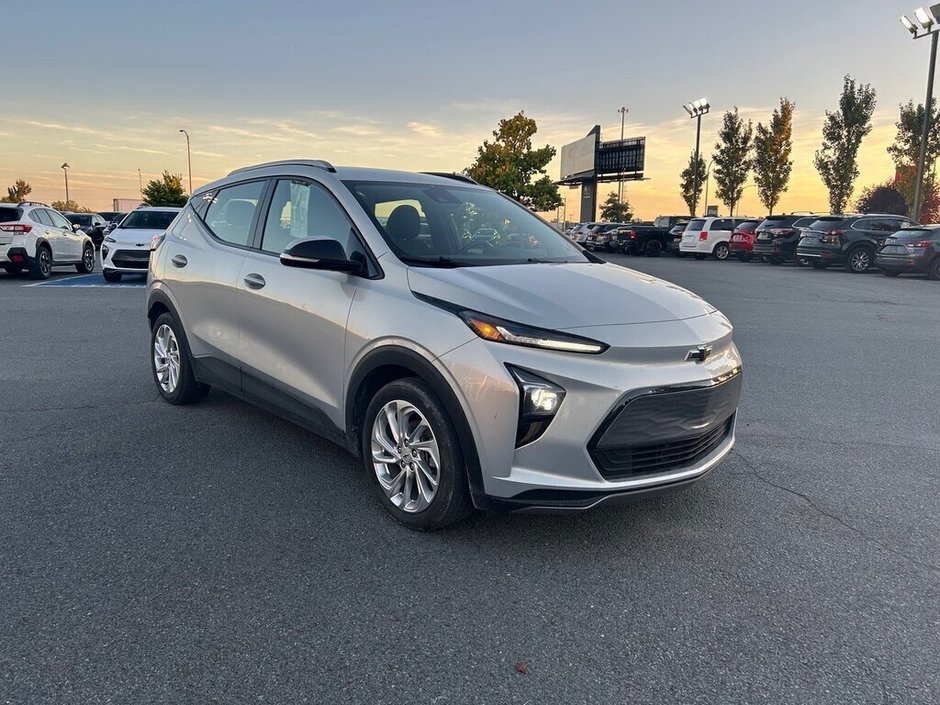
column 577, row 158
column 623, row 159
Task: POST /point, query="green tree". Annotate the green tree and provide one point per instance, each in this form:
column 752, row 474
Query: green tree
column 843, row 132
column 732, row 158
column 168, row 191
column 687, row 182
column 510, row 165
column 17, row 192
column 69, row 206
column 882, row 198
column 773, row 145
column 906, row 148
column 614, row 210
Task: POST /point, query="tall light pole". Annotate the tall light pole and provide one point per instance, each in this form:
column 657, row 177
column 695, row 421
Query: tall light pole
column 708, row 177
column 189, row 161
column 140, row 183
column 928, row 23
column 623, row 114
column 696, row 109
column 65, row 167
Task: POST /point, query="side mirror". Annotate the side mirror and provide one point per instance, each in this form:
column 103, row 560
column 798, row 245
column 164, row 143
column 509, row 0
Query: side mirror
column 76, row 227
column 319, row 253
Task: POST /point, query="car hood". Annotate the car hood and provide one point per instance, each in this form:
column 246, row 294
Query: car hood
column 560, row 296
column 135, row 235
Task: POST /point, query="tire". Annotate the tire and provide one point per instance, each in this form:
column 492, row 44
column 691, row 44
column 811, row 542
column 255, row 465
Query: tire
column 819, row 265
column 745, row 256
column 398, row 484
column 185, row 390
column 87, row 265
column 653, row 248
column 721, row 251
column 12, row 268
column 888, row 273
column 859, row 260
column 775, row 260
column 41, row 267
column 700, row 256
column 933, row 271
column 110, row 275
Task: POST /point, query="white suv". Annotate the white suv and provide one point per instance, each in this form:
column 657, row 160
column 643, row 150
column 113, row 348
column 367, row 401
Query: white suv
column 36, row 238
column 709, row 236
column 126, row 249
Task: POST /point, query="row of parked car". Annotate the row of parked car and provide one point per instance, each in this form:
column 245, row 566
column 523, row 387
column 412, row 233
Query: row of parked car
column 892, row 244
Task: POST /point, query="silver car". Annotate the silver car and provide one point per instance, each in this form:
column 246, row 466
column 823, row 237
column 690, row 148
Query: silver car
column 464, row 371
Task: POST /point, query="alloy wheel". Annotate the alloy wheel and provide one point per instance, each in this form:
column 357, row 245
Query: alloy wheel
column 860, row 261
column 45, row 262
column 89, row 258
column 405, row 456
column 166, row 359
column 722, row 252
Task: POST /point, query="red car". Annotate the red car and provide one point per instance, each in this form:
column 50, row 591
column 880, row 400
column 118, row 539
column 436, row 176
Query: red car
column 742, row 240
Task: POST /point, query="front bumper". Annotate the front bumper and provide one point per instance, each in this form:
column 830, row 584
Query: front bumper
column 570, row 465
column 127, row 259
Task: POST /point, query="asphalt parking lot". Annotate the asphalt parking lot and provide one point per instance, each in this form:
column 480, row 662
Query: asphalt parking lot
column 215, row 553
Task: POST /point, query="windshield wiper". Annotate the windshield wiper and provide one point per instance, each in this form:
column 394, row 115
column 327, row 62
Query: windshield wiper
column 440, row 262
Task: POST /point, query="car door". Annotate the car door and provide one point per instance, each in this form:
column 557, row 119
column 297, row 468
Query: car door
column 53, row 234
column 292, row 320
column 69, row 240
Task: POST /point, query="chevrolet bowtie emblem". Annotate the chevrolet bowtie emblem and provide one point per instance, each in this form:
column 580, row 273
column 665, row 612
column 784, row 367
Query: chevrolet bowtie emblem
column 699, row 354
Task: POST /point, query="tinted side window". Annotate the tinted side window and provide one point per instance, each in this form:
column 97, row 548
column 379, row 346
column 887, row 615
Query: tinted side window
column 721, row 224
column 232, row 211
column 300, row 210
column 59, row 221
column 36, row 217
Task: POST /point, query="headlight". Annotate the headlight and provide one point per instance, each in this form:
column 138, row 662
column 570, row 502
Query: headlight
column 110, row 239
column 539, row 400
column 500, row 331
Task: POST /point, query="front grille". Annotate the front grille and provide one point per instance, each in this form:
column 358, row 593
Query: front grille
column 131, row 259
column 628, row 462
column 666, row 429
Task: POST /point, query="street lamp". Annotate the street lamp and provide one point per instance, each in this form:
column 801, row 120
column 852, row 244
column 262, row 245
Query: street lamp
column 189, row 161
column 623, row 114
column 696, row 109
column 65, row 168
column 140, row 183
column 928, row 22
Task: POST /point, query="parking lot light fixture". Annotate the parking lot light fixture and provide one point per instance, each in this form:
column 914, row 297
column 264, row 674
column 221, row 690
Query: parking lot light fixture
column 696, row 109
column 908, row 25
column 924, row 17
column 65, row 167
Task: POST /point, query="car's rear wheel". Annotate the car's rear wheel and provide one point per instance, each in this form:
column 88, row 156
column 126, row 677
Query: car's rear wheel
column 41, row 266
column 412, row 453
column 653, row 248
column 860, row 260
column 87, row 265
column 933, row 271
column 171, row 363
column 721, row 251
column 111, row 276
column 775, row 259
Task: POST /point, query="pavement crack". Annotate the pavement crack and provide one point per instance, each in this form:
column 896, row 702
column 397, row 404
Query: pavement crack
column 836, row 518
column 823, row 441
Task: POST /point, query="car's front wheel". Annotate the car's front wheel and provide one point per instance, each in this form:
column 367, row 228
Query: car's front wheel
column 171, row 363
column 412, row 453
column 87, row 265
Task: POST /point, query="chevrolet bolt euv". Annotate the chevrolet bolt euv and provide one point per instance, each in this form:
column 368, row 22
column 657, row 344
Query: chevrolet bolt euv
column 463, row 371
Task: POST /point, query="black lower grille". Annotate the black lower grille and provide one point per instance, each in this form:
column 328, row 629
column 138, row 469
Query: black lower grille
column 130, row 259
column 626, row 462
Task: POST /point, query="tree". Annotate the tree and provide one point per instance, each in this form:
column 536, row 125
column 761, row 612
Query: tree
column 614, row 210
column 732, row 158
column 688, row 181
column 930, row 196
column 510, row 165
column 843, row 131
column 69, row 206
column 17, row 192
column 882, row 198
column 906, row 148
column 772, row 147
column 168, row 191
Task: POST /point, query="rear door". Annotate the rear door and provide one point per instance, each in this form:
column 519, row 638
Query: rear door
column 69, row 240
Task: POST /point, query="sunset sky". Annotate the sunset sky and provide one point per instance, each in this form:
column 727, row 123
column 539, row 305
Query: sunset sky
column 106, row 85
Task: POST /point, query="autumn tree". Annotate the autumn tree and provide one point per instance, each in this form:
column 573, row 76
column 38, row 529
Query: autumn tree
column 690, row 177
column 732, row 158
column 882, row 198
column 69, row 206
column 773, row 145
column 613, row 210
column 167, row 191
column 843, row 132
column 906, row 148
column 17, row 192
column 510, row 165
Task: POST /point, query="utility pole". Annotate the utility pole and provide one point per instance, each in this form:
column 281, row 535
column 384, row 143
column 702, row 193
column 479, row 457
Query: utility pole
column 623, row 114
column 189, row 161
column 140, row 182
column 65, row 167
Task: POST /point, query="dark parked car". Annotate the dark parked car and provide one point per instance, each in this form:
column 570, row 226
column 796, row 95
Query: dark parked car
column 599, row 237
column 911, row 251
column 675, row 237
column 777, row 237
column 848, row 240
column 92, row 224
column 648, row 239
column 742, row 239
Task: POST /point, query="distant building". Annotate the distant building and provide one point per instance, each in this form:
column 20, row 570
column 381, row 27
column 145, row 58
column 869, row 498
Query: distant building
column 123, row 205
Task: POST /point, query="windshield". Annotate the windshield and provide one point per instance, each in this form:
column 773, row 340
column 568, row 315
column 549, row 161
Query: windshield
column 148, row 220
column 79, row 218
column 433, row 225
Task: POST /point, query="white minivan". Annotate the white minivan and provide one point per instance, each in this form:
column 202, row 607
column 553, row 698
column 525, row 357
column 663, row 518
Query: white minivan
column 709, row 236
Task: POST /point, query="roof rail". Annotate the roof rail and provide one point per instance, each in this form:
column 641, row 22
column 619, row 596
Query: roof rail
column 452, row 175
column 31, row 203
column 319, row 163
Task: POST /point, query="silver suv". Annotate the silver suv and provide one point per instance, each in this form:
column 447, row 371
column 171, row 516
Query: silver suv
column 465, row 372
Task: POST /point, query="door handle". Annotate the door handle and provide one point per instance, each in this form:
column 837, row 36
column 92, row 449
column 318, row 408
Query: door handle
column 179, row 261
column 254, row 281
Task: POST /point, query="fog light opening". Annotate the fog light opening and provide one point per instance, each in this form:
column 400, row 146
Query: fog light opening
column 539, row 401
